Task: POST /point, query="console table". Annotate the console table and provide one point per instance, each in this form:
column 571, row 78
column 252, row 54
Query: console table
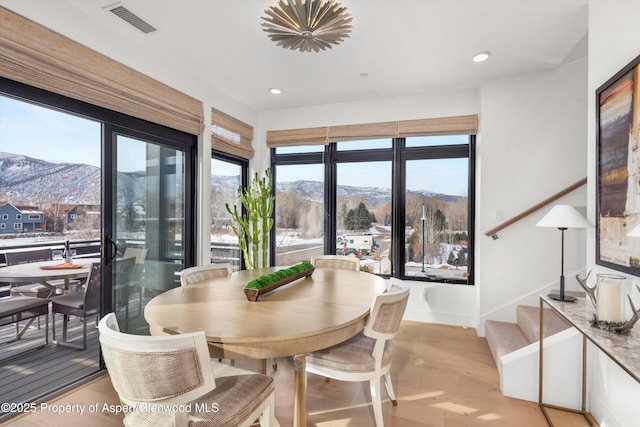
column 624, row 350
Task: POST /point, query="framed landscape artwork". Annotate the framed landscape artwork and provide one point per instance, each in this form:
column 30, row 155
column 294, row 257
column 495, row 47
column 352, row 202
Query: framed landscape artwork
column 618, row 170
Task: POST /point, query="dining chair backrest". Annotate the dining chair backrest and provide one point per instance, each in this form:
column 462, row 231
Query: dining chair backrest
column 92, row 289
column 200, row 273
column 24, row 257
column 386, row 312
column 336, row 261
column 124, row 268
column 140, row 254
column 162, row 370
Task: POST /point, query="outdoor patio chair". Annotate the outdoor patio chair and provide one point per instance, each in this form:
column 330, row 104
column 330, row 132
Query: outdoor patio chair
column 349, row 262
column 84, row 303
column 174, row 371
column 15, row 309
column 23, row 257
column 125, row 283
column 199, row 273
column 367, row 356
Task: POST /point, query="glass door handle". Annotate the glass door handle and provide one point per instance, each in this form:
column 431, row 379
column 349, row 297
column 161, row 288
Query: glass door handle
column 110, row 244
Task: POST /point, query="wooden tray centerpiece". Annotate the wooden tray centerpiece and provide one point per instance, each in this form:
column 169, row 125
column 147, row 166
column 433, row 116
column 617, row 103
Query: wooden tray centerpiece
column 263, row 284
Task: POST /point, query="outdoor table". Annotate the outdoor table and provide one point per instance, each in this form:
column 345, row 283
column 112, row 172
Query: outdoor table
column 33, row 272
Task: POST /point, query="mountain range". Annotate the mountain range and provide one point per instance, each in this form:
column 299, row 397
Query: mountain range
column 26, row 180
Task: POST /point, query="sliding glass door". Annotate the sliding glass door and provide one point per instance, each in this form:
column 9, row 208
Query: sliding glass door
column 148, row 241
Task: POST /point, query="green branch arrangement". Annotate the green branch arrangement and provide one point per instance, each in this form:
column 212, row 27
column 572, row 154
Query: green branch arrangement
column 272, row 281
column 271, row 278
column 252, row 228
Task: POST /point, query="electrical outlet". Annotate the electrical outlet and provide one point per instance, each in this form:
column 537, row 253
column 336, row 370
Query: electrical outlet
column 498, row 215
column 425, row 296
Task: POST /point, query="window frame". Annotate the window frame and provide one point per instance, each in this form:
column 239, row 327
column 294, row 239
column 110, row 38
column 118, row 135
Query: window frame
column 398, row 154
column 244, row 178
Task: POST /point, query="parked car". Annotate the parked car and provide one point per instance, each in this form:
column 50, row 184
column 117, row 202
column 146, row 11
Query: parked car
column 341, row 251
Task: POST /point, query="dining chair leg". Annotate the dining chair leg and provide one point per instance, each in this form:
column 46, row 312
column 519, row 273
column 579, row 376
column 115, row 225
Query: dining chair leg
column 374, row 385
column 84, row 333
column 65, row 321
column 390, row 392
column 53, row 326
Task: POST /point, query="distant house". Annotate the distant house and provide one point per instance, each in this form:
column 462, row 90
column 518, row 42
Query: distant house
column 19, row 219
column 83, row 217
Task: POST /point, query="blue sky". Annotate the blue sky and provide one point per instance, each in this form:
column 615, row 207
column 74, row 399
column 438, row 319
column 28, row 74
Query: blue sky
column 47, row 134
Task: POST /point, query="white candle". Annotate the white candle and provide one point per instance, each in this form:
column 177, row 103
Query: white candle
column 609, row 300
column 423, row 213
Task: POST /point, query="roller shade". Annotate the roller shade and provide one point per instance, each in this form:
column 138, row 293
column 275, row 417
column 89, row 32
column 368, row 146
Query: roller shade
column 458, row 125
column 36, row 56
column 230, row 135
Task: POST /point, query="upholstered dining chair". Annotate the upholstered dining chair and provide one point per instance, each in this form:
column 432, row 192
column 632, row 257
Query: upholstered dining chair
column 367, row 356
column 84, row 303
column 196, row 274
column 336, row 261
column 174, row 371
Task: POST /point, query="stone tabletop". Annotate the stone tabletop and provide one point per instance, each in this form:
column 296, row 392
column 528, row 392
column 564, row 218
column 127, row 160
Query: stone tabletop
column 624, row 349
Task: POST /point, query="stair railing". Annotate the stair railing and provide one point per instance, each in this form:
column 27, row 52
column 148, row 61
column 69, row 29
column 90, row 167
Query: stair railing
column 493, row 233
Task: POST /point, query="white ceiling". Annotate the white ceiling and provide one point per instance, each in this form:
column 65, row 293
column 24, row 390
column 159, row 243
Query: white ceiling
column 405, row 46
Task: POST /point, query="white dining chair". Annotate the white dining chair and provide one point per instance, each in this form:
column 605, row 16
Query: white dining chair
column 199, row 273
column 348, row 262
column 174, row 371
column 367, row 356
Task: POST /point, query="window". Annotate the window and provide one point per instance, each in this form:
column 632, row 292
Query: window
column 34, row 216
column 17, row 226
column 374, row 192
column 299, row 206
column 436, row 206
column 18, row 216
column 228, row 173
column 363, row 214
column 3, row 226
column 5, row 216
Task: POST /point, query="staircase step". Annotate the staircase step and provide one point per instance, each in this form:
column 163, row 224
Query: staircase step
column 504, row 338
column 528, row 319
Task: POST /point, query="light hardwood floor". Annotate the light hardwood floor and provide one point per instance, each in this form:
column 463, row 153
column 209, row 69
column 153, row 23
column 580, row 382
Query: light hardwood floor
column 444, row 376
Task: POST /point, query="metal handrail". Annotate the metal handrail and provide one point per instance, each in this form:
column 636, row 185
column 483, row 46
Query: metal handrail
column 493, row 232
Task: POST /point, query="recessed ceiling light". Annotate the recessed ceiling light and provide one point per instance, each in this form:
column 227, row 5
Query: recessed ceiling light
column 481, row 57
column 275, row 91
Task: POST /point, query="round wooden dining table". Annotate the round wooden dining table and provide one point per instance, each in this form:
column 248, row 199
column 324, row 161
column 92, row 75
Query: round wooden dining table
column 306, row 315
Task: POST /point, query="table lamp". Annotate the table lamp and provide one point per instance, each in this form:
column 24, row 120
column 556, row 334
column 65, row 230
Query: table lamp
column 563, row 217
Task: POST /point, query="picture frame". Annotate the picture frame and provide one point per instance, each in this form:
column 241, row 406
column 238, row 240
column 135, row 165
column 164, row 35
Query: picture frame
column 618, row 170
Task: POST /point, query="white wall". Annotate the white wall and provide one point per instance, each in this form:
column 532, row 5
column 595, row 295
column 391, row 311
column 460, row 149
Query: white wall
column 614, row 41
column 532, row 144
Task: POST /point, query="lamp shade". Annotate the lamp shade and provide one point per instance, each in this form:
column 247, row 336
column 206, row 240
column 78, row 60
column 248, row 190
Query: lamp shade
column 564, row 216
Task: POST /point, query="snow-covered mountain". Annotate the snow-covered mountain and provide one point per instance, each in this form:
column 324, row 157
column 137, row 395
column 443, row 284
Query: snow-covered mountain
column 25, row 180
column 314, row 190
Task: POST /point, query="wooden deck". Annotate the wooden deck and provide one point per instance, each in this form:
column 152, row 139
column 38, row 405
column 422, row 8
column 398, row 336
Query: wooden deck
column 33, row 372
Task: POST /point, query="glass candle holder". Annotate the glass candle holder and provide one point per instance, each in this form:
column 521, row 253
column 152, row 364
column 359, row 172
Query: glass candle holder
column 611, row 298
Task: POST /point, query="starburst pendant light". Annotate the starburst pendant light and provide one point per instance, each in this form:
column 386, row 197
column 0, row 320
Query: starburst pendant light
column 307, row 25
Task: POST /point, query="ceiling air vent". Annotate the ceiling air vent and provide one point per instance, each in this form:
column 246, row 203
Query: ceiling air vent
column 133, row 19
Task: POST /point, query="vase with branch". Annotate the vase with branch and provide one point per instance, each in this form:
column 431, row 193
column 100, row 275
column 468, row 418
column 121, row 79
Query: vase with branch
column 252, row 226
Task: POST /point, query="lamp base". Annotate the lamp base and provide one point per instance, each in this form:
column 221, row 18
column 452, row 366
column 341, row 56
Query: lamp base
column 565, row 298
